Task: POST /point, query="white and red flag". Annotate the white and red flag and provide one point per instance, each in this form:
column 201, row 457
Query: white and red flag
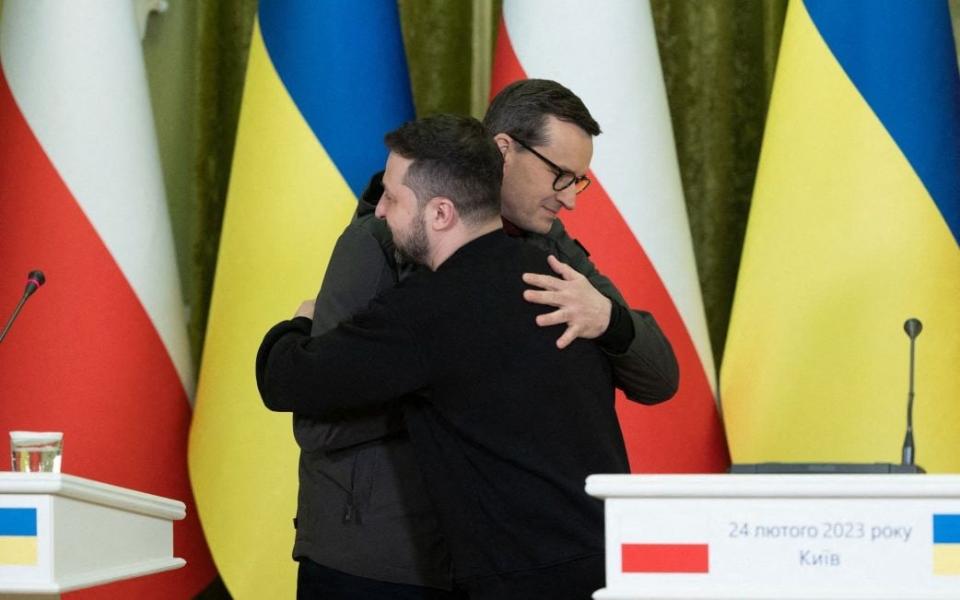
column 632, row 218
column 100, row 352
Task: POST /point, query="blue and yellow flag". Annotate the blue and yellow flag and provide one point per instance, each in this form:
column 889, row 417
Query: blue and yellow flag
column 18, row 536
column 854, row 228
column 325, row 82
column 946, row 544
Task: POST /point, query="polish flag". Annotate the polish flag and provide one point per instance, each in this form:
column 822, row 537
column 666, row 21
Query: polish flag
column 632, row 218
column 100, row 352
column 665, row 558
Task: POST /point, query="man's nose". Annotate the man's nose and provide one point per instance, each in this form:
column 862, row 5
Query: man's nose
column 568, row 197
column 380, row 211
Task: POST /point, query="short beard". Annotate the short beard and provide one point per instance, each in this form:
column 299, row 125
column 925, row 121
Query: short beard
column 414, row 247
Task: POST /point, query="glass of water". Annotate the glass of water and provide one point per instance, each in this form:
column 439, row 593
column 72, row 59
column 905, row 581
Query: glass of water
column 36, row 451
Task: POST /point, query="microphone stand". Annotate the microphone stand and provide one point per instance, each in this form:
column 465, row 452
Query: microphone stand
column 13, row 317
column 34, row 280
column 913, row 327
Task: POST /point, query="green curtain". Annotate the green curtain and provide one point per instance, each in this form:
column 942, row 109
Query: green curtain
column 224, row 41
column 718, row 61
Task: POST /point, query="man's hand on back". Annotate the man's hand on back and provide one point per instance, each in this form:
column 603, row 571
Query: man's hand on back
column 584, row 310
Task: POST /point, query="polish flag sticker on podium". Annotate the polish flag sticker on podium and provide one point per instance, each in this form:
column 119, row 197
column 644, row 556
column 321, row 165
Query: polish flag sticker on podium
column 665, row 558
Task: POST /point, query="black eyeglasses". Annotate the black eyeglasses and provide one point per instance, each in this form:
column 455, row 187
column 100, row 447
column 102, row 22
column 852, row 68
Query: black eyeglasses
column 564, row 178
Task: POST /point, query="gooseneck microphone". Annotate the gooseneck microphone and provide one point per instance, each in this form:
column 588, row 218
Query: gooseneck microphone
column 913, row 327
column 34, row 280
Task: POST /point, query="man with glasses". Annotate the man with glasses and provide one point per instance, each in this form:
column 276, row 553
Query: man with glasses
column 364, row 519
column 545, row 134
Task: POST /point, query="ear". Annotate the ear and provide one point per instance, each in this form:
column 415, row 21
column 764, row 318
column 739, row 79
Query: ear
column 441, row 213
column 503, row 142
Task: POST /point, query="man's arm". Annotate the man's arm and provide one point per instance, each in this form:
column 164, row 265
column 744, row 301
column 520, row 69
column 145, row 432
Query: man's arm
column 644, row 364
column 360, row 267
column 358, row 270
column 369, row 361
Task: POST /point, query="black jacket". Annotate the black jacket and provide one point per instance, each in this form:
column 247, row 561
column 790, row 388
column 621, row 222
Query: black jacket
column 362, row 507
column 507, row 427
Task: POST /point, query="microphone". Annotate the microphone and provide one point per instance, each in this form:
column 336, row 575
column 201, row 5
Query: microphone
column 34, row 280
column 913, row 327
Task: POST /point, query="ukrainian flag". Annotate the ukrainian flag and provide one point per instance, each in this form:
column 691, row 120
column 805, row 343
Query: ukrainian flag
column 18, row 536
column 325, row 81
column 946, row 544
column 854, row 228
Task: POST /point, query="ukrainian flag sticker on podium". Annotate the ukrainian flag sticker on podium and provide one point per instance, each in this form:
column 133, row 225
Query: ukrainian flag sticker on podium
column 946, row 544
column 18, row 536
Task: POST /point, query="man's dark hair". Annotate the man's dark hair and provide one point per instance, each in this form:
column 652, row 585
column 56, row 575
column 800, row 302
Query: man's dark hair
column 454, row 157
column 521, row 109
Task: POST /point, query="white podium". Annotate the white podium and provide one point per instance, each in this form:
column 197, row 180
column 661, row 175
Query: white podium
column 780, row 536
column 60, row 533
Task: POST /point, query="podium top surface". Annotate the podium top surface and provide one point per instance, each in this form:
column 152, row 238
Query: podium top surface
column 774, row 486
column 87, row 490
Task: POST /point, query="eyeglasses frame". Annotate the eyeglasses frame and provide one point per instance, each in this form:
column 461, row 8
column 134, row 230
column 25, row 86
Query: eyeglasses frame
column 557, row 169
